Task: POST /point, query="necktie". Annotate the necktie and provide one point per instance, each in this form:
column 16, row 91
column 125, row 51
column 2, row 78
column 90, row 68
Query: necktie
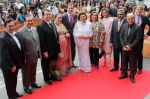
column 119, row 25
column 138, row 20
column 71, row 20
column 129, row 29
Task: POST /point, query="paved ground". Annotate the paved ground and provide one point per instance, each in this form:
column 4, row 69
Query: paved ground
column 41, row 82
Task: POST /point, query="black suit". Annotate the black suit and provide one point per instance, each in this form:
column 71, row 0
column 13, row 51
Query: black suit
column 10, row 55
column 132, row 39
column 145, row 21
column 48, row 43
column 115, row 40
column 65, row 21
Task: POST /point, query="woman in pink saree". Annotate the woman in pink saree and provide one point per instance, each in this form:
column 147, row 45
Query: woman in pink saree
column 64, row 59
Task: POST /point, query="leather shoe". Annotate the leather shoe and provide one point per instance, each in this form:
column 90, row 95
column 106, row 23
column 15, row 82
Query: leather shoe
column 28, row 91
column 49, row 82
column 139, row 71
column 123, row 76
column 18, row 95
column 132, row 79
column 113, row 69
column 34, row 85
column 13, row 97
column 57, row 79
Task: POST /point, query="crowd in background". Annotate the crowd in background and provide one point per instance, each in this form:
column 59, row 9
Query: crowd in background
column 96, row 29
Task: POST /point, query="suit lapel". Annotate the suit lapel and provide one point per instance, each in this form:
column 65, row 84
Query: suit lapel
column 29, row 33
column 12, row 40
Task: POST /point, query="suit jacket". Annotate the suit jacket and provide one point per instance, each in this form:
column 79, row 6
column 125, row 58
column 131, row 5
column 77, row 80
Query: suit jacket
column 49, row 41
column 145, row 21
column 10, row 54
column 65, row 21
column 31, row 44
column 133, row 38
column 115, row 34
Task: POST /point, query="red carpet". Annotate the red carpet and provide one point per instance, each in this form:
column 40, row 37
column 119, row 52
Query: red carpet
column 100, row 84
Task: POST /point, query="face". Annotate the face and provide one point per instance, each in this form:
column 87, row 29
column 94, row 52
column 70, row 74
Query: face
column 105, row 13
column 23, row 10
column 94, row 17
column 120, row 15
column 70, row 9
column 59, row 18
column 10, row 27
column 138, row 10
column 130, row 20
column 29, row 22
column 47, row 16
column 83, row 18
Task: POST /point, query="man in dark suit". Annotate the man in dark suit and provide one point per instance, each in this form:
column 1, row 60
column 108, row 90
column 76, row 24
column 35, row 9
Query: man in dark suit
column 50, row 48
column 130, row 37
column 69, row 19
column 31, row 48
column 115, row 38
column 11, row 58
column 142, row 21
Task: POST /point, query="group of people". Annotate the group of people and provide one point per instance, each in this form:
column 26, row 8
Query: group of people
column 55, row 39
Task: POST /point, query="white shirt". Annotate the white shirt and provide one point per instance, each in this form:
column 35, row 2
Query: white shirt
column 16, row 39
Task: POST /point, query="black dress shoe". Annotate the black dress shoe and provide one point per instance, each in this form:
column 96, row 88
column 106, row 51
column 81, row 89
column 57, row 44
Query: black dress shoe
column 123, row 76
column 57, row 79
column 139, row 71
column 34, row 85
column 18, row 95
column 132, row 79
column 49, row 82
column 113, row 69
column 28, row 91
column 13, row 97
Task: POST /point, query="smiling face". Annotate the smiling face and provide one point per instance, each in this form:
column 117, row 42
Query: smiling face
column 130, row 18
column 83, row 18
column 10, row 27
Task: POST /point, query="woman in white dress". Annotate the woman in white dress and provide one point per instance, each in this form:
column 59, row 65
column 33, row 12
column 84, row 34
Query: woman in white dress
column 82, row 34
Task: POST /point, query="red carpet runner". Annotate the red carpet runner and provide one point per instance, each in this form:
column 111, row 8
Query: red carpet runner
column 100, row 84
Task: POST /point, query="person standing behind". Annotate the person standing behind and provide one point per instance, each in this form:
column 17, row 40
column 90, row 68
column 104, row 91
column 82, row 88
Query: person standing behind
column 31, row 49
column 82, row 33
column 11, row 58
column 69, row 19
column 142, row 21
column 107, row 21
column 130, row 37
column 50, row 48
column 115, row 38
column 97, row 39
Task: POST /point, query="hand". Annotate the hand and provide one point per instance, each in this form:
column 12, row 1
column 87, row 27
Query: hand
column 103, row 33
column 146, row 36
column 67, row 35
column 128, row 48
column 125, row 48
column 13, row 69
column 110, row 45
column 45, row 55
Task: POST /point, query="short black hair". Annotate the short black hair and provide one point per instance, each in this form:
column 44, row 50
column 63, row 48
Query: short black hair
column 82, row 13
column 43, row 11
column 8, row 21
